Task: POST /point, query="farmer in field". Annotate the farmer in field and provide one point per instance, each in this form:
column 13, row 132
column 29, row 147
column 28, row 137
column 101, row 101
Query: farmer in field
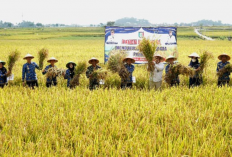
column 3, row 74
column 130, row 68
column 170, row 60
column 29, row 71
column 156, row 76
column 50, row 81
column 225, row 78
column 69, row 72
column 93, row 82
column 196, row 80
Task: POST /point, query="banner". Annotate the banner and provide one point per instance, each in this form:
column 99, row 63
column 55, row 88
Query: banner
column 128, row 38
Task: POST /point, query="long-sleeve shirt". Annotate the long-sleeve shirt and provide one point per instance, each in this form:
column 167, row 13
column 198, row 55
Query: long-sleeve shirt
column 176, row 79
column 130, row 68
column 29, row 71
column 89, row 71
column 156, row 75
column 48, row 79
column 3, row 77
column 226, row 76
column 68, row 77
column 195, row 66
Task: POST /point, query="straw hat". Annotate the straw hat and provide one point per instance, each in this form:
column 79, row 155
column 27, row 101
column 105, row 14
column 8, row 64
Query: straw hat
column 52, row 59
column 158, row 55
column 92, row 59
column 170, row 57
column 71, row 62
column 194, row 54
column 28, row 56
column 3, row 63
column 133, row 61
column 224, row 54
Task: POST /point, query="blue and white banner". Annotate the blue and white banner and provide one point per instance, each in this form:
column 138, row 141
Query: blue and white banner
column 127, row 39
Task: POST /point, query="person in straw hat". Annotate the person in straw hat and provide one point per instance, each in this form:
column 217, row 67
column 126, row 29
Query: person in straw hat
column 69, row 72
column 53, row 81
column 130, row 68
column 3, row 74
column 93, row 82
column 29, row 72
column 170, row 60
column 225, row 79
column 156, row 76
column 196, row 80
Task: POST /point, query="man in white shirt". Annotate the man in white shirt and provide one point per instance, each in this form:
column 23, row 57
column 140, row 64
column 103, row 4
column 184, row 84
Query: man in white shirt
column 171, row 38
column 156, row 76
column 111, row 38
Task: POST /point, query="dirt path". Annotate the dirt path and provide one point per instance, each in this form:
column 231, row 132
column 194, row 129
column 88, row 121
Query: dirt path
column 201, row 35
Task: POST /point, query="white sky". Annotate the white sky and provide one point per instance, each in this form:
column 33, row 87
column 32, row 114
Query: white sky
column 100, row 11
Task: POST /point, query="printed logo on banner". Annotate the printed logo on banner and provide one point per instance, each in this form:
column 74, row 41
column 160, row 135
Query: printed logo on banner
column 141, row 34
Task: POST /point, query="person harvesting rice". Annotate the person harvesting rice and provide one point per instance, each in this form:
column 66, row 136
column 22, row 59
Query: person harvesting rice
column 3, row 74
column 156, row 75
column 196, row 80
column 51, row 80
column 225, row 78
column 29, row 71
column 170, row 60
column 93, row 82
column 69, row 72
column 130, row 68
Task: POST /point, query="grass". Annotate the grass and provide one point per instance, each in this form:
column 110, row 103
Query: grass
column 109, row 122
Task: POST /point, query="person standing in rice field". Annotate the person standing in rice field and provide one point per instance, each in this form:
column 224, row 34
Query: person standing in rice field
column 3, row 74
column 29, row 71
column 69, row 72
column 50, row 81
column 93, row 82
column 156, row 75
column 225, row 79
column 170, row 60
column 130, row 68
column 196, row 80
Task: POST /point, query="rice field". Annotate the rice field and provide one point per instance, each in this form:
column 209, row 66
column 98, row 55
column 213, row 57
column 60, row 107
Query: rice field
column 111, row 122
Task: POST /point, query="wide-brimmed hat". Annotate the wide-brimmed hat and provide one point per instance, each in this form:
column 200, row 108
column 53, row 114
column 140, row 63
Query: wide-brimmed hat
column 170, row 57
column 71, row 62
column 223, row 54
column 28, row 56
column 129, row 57
column 92, row 59
column 52, row 59
column 194, row 54
column 3, row 63
column 158, row 55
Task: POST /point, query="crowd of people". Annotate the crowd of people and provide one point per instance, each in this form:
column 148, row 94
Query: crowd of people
column 29, row 76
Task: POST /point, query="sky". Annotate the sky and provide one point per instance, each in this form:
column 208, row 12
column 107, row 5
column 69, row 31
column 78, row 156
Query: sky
column 85, row 12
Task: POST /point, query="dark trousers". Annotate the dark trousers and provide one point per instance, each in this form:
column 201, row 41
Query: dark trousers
column 2, row 85
column 175, row 84
column 195, row 81
column 32, row 84
column 49, row 84
column 126, row 85
column 223, row 83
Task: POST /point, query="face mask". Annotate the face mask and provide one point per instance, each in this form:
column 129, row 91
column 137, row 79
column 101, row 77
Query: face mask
column 194, row 60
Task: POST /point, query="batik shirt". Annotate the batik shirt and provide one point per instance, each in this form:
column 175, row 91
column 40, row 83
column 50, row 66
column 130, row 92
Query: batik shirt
column 226, row 75
column 29, row 71
column 48, row 79
column 130, row 68
column 89, row 71
column 68, row 77
column 176, row 79
column 195, row 66
column 3, row 78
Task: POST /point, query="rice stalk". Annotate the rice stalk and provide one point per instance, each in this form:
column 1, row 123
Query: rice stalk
column 12, row 59
column 55, row 72
column 99, row 74
column 225, row 69
column 42, row 55
column 79, row 69
column 204, row 59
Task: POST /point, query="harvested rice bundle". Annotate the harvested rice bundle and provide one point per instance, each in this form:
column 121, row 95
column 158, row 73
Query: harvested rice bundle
column 79, row 69
column 148, row 49
column 42, row 54
column 54, row 72
column 204, row 58
column 99, row 74
column 12, row 59
column 226, row 68
column 116, row 65
column 178, row 69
